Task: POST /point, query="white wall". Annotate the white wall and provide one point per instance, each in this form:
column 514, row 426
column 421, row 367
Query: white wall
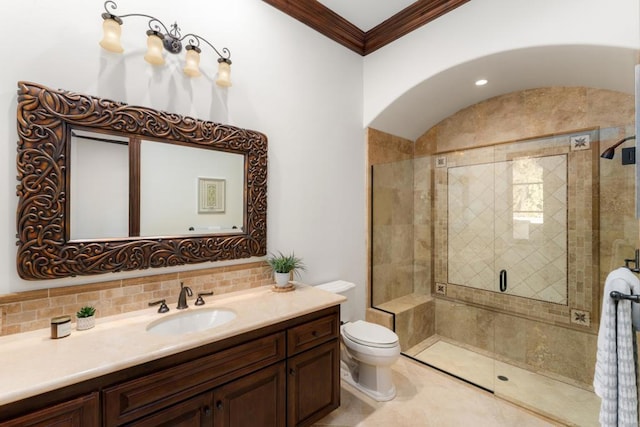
column 482, row 28
column 99, row 192
column 301, row 89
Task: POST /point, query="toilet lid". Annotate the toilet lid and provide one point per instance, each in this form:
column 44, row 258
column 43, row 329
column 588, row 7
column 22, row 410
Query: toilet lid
column 370, row 334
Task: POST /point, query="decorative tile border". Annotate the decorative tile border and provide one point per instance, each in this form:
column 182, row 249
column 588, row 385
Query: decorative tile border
column 580, row 142
column 441, row 288
column 580, row 317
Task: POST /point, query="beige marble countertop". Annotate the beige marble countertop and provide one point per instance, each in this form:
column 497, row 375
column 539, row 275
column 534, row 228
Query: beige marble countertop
column 32, row 363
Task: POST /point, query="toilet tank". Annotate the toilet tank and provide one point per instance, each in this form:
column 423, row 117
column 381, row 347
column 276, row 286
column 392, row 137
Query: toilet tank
column 347, row 289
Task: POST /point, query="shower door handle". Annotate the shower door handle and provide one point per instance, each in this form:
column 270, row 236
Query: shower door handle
column 503, row 280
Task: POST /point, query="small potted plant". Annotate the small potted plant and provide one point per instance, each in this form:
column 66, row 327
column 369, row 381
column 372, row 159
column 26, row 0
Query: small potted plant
column 283, row 265
column 86, row 318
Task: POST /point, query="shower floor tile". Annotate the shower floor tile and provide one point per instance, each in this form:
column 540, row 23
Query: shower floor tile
column 539, row 393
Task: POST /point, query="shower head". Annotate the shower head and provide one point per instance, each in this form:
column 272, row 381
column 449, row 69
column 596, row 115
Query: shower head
column 609, row 152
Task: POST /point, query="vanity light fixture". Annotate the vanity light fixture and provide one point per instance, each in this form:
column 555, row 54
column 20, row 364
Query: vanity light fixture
column 160, row 39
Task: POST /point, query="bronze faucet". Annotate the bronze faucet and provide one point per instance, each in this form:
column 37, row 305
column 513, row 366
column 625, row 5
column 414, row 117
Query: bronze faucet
column 182, row 299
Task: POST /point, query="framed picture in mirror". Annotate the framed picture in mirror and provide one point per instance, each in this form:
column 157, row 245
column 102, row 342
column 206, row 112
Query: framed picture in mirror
column 211, row 195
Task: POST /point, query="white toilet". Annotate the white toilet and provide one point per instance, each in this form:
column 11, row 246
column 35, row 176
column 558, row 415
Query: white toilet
column 368, row 350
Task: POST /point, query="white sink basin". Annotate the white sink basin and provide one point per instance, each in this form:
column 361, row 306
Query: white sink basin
column 191, row 321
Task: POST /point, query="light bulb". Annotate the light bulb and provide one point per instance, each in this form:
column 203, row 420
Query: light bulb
column 111, row 35
column 224, row 72
column 192, row 61
column 154, row 48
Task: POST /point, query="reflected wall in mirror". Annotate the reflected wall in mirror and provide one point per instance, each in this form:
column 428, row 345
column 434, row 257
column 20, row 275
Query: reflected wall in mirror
column 163, row 202
column 107, row 187
column 161, row 175
column 99, row 190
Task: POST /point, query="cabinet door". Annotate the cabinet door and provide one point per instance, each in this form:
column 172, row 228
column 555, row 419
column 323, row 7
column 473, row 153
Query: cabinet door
column 313, row 384
column 80, row 412
column 258, row 399
column 132, row 400
column 194, row 412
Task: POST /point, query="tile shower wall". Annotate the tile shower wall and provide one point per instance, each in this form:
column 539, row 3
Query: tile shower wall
column 568, row 223
column 564, row 343
column 482, row 224
column 510, row 215
column 391, row 216
column 28, row 311
column 618, row 224
column 401, row 273
column 566, row 354
column 392, row 222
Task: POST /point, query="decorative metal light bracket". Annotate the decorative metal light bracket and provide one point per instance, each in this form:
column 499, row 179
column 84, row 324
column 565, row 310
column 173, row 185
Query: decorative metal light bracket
column 172, row 38
column 173, row 43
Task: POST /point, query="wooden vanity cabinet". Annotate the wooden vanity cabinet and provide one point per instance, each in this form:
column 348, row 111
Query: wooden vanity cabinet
column 313, row 367
column 255, row 400
column 79, row 412
column 131, row 400
column 193, row 412
column 285, row 374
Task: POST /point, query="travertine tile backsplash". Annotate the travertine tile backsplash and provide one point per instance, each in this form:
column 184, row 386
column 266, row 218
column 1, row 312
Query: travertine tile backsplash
column 31, row 310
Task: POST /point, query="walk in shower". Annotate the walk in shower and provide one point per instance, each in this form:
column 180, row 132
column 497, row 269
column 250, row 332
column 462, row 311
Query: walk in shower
column 490, row 260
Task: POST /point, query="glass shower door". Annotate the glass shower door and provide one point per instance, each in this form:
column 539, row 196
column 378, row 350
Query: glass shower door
column 504, row 210
column 465, row 206
column 507, row 226
column 531, row 227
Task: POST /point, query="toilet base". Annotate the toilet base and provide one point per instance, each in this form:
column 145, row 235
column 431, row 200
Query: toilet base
column 345, row 374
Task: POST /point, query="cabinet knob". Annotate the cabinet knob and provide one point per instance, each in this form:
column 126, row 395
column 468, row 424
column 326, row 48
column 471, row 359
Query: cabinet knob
column 314, row 333
column 206, row 410
column 219, row 405
column 292, row 371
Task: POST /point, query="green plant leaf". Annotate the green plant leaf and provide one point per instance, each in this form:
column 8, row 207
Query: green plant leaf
column 281, row 263
column 86, row 311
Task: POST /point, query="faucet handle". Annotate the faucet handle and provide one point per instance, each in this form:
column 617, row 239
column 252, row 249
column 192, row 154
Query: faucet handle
column 163, row 305
column 200, row 300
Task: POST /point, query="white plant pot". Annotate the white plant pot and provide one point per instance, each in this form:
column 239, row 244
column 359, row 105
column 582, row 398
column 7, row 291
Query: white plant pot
column 282, row 279
column 85, row 323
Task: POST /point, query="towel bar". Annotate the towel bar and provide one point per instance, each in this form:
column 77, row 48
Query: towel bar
column 618, row 296
column 635, row 261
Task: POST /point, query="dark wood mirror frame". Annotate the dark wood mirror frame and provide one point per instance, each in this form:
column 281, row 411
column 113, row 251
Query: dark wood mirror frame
column 45, row 119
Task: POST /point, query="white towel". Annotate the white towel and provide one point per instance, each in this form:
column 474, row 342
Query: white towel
column 615, row 379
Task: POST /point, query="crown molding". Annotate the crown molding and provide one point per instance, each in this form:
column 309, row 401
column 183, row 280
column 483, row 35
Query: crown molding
column 327, row 22
column 324, row 20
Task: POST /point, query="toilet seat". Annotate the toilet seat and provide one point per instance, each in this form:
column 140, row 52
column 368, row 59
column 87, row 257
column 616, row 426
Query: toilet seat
column 370, row 334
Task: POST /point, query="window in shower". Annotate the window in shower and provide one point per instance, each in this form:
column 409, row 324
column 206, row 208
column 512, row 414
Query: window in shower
column 528, row 195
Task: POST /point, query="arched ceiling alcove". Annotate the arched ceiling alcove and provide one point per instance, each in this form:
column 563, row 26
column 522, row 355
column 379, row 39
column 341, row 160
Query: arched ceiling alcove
column 424, row 105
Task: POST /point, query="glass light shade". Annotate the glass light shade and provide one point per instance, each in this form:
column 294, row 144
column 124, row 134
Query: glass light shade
column 111, row 36
column 192, row 65
column 154, row 50
column 224, row 74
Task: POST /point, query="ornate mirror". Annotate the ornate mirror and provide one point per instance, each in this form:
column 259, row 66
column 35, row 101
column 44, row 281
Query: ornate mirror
column 108, row 187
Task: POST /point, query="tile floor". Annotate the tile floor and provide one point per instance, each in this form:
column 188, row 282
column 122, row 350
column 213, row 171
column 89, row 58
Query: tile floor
column 427, row 397
column 555, row 399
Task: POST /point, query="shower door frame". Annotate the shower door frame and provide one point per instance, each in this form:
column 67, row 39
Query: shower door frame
column 582, row 216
